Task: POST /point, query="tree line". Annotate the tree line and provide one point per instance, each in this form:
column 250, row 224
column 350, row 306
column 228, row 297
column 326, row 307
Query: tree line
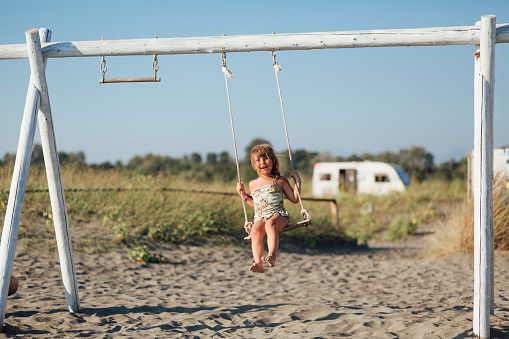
column 416, row 161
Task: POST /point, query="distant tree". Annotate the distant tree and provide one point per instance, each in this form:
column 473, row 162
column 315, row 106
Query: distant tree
column 388, row 157
column 211, row 158
column 72, row 159
column 224, row 158
column 452, row 170
column 150, row 164
column 106, row 165
column 134, row 163
column 196, row 158
column 416, row 162
column 304, row 161
column 9, row 158
column 37, row 155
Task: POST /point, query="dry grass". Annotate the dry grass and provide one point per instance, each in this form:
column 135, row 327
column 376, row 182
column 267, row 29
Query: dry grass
column 456, row 232
column 107, row 220
column 103, row 221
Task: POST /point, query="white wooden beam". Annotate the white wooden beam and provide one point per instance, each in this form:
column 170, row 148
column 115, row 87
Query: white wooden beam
column 439, row 36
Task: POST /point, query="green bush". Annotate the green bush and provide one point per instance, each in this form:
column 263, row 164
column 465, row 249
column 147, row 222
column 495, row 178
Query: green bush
column 142, row 254
column 364, row 229
column 400, row 227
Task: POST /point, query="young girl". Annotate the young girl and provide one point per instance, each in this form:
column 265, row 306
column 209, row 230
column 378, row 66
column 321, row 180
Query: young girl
column 267, row 200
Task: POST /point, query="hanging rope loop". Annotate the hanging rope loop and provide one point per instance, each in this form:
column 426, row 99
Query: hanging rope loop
column 277, row 68
column 228, row 74
column 247, row 228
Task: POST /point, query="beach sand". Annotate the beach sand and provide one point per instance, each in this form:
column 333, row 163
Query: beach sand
column 385, row 291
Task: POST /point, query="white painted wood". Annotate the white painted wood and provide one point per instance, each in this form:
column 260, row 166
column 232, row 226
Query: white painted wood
column 18, row 187
column 16, row 196
column 438, row 36
column 476, row 187
column 54, row 176
column 487, row 60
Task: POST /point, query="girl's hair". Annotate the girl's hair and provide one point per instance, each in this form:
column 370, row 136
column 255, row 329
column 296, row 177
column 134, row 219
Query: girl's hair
column 265, row 150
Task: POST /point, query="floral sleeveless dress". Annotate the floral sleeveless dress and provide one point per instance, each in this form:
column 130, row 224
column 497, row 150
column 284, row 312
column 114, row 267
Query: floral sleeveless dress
column 268, row 200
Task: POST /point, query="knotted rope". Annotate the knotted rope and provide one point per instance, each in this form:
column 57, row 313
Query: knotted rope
column 277, row 69
column 228, row 74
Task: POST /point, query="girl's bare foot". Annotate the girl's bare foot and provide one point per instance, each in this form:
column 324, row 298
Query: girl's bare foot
column 271, row 260
column 257, row 267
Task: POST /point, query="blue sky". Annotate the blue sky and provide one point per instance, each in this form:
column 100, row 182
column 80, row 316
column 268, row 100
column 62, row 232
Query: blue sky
column 343, row 101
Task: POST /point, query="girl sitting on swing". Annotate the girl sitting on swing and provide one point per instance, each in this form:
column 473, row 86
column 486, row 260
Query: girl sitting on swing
column 267, row 200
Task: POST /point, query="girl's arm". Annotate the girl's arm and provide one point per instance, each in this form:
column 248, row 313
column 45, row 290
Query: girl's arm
column 292, row 193
column 241, row 191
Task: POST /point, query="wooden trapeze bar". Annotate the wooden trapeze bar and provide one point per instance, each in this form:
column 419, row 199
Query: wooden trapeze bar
column 117, row 80
column 155, row 68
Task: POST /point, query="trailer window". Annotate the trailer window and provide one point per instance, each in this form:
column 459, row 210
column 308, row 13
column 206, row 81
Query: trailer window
column 325, row 177
column 381, row 178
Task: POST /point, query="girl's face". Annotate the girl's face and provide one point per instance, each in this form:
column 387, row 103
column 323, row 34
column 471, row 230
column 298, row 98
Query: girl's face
column 263, row 165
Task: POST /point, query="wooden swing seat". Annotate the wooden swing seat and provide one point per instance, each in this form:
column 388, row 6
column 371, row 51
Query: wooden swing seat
column 294, row 226
column 300, row 224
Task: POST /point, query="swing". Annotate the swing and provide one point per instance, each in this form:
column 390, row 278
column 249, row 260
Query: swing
column 155, row 68
column 306, row 218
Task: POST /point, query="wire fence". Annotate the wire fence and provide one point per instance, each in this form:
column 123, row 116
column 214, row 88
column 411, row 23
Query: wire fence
column 332, row 202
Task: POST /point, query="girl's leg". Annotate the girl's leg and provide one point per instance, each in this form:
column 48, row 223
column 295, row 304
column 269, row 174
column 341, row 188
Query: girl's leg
column 272, row 227
column 257, row 234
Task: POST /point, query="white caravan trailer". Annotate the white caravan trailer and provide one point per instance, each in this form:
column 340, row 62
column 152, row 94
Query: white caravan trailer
column 501, row 161
column 378, row 178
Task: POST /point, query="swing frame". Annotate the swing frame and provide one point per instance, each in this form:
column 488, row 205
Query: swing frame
column 484, row 36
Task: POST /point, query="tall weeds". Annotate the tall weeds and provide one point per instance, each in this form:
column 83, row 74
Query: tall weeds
column 456, row 232
column 104, row 220
column 142, row 213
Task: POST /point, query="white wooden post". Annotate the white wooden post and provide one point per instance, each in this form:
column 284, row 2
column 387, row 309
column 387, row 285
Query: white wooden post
column 476, row 186
column 55, row 186
column 483, row 204
column 18, row 186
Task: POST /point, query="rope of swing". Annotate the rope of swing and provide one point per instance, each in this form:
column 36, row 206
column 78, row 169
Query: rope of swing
column 277, row 69
column 229, row 74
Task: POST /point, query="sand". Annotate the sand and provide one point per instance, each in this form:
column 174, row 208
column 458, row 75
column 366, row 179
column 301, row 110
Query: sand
column 385, row 291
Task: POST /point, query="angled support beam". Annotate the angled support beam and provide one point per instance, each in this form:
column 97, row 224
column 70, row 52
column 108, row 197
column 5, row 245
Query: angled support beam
column 55, row 185
column 37, row 105
column 18, row 186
